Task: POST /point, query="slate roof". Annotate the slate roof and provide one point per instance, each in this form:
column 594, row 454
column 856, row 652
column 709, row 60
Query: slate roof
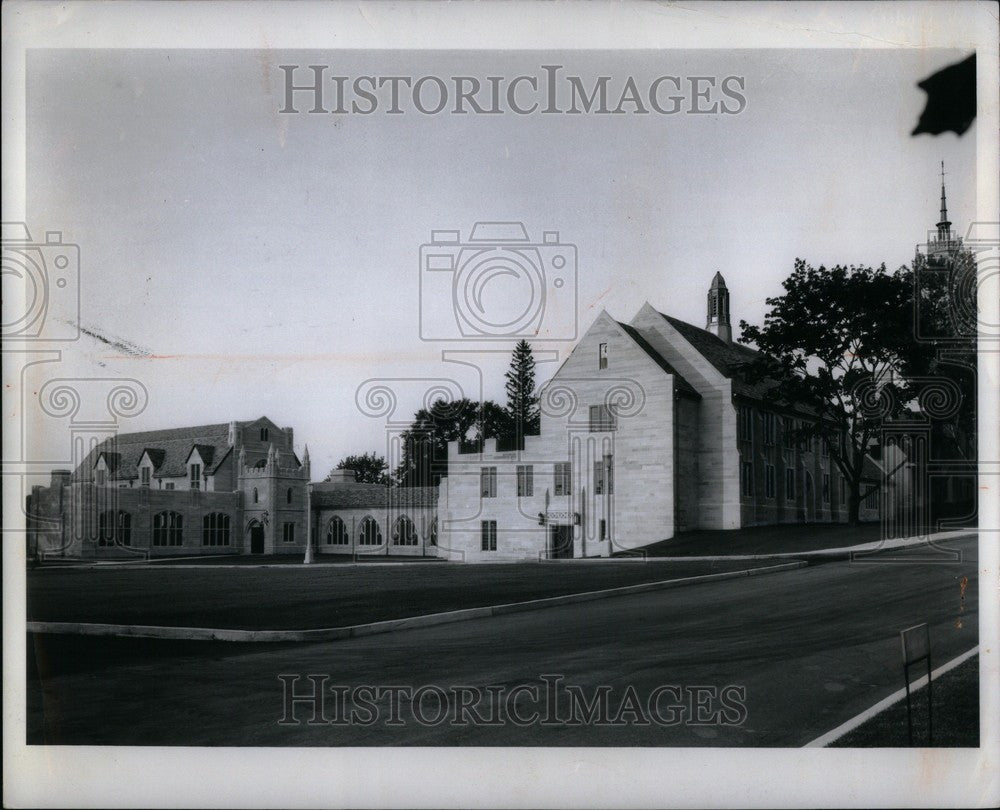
column 170, row 447
column 371, row 496
column 681, row 384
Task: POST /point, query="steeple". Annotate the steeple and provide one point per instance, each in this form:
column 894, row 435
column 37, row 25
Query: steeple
column 718, row 309
column 944, row 226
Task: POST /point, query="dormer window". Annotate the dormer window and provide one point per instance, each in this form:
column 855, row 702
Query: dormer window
column 144, row 476
column 263, row 434
column 602, row 355
column 195, row 476
column 102, row 478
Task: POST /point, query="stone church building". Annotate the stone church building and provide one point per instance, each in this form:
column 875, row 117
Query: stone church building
column 646, row 431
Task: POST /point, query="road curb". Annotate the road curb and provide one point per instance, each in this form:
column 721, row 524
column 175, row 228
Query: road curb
column 834, row 735
column 388, row 626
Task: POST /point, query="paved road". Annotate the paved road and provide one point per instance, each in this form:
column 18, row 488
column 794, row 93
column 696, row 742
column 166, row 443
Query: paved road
column 811, row 648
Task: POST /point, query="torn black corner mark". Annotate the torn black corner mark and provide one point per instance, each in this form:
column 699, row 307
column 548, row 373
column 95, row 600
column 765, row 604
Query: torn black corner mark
column 951, row 99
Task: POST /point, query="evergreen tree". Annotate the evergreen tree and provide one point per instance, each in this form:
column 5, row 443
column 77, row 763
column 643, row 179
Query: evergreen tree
column 522, row 403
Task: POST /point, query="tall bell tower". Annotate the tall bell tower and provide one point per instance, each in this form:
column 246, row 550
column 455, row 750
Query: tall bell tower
column 718, row 309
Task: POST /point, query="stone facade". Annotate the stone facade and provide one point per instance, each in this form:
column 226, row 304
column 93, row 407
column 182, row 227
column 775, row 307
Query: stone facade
column 647, row 430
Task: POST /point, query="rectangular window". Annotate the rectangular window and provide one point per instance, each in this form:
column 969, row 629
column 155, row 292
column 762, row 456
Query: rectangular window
column 843, row 491
column 603, row 530
column 101, row 478
column 788, row 429
column 769, row 484
column 746, row 478
column 826, row 487
column 488, row 482
column 144, row 476
column 525, row 480
column 602, row 355
column 288, row 532
column 871, row 499
column 769, row 422
column 562, row 483
column 169, row 485
column 824, row 448
column 789, row 484
column 598, row 477
column 601, row 419
column 489, row 535
column 744, row 423
column 195, row 476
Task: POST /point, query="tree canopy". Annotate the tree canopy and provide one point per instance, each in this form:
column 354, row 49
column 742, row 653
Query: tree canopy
column 369, row 468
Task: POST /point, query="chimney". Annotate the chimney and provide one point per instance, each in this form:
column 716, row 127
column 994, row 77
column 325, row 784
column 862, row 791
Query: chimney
column 60, row 479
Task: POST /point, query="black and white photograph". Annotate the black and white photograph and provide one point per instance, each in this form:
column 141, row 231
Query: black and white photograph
column 501, row 404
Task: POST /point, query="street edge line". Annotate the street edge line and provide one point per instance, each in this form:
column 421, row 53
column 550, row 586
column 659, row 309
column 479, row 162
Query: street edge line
column 387, row 626
column 882, row 705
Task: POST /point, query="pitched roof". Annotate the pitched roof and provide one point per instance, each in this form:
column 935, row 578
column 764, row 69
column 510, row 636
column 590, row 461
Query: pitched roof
column 682, row 384
column 371, row 496
column 726, row 358
column 168, row 450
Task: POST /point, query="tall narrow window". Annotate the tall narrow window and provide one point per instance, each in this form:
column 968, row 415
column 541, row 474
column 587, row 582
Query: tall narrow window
column 744, row 423
column 769, row 483
column 488, row 482
column 256, row 497
column 788, row 433
column 826, row 487
column 144, row 476
column 602, row 355
column 602, row 418
column 288, row 495
column 525, row 480
column 746, row 478
column 488, row 535
column 769, row 421
column 195, row 476
column 263, row 434
column 102, row 478
column 789, row 484
column 288, row 532
column 563, row 477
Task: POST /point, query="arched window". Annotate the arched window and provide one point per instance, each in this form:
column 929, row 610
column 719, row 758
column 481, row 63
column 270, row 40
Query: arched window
column 215, row 529
column 255, row 498
column 168, row 529
column 336, row 532
column 114, row 528
column 288, row 495
column 371, row 534
column 404, row 533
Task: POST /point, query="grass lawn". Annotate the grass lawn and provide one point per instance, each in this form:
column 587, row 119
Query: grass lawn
column 955, row 714
column 767, row 540
column 305, row 597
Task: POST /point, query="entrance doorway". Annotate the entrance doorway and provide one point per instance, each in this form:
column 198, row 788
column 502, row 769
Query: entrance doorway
column 560, row 542
column 256, row 538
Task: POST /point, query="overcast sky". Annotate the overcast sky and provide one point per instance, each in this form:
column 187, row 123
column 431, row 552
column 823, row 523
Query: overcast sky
column 269, row 263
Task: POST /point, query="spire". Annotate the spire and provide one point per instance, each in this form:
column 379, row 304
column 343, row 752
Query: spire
column 270, row 455
column 305, row 459
column 944, row 226
column 718, row 309
column 243, row 457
